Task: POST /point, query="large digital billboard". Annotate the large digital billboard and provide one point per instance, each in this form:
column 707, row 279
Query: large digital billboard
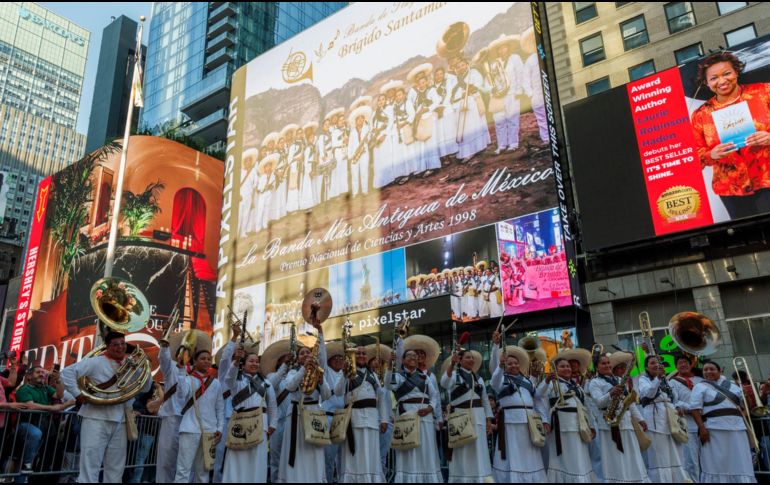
column 381, row 154
column 167, row 246
column 681, row 149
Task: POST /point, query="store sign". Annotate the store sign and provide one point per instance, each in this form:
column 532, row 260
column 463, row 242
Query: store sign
column 58, row 29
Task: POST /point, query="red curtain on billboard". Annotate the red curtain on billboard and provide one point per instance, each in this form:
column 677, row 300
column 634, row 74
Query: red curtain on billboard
column 189, row 218
column 104, row 203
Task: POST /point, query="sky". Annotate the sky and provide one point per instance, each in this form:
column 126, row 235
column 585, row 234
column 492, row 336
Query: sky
column 95, row 17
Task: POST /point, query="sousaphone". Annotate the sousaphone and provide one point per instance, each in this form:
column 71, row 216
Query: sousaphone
column 121, row 307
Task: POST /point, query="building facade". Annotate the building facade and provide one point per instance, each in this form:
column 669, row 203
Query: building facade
column 600, row 45
column 194, row 48
column 113, row 77
column 42, row 64
column 720, row 271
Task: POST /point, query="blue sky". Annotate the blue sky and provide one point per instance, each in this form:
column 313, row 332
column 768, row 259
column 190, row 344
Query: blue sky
column 95, row 17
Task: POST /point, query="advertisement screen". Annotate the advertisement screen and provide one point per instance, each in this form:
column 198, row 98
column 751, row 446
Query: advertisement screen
column 167, row 246
column 375, row 154
column 691, row 144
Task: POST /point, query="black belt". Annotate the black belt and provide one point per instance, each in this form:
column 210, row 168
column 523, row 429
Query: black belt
column 721, row 412
column 365, row 403
column 414, row 400
column 470, row 403
column 557, row 426
column 501, row 444
column 295, row 429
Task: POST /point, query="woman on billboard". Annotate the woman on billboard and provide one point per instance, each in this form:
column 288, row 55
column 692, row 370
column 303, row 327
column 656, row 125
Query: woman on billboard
column 731, row 133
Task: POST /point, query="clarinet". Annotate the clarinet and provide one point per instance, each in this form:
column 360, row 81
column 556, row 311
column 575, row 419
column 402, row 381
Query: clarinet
column 243, row 340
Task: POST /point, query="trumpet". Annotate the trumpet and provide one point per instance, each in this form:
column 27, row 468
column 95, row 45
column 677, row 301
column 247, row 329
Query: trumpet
column 171, row 322
column 555, row 382
column 758, row 410
column 646, row 327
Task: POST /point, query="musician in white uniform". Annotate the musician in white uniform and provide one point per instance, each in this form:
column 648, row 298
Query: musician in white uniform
column 339, row 141
column 202, row 384
column 683, row 383
column 446, row 117
column 716, row 405
column 415, row 392
column 515, row 458
column 383, row 139
column 249, row 205
column 309, row 189
column 621, row 457
column 249, row 392
column 405, row 156
column 507, row 71
column 358, row 149
column 532, row 83
column 369, row 418
column 325, row 161
column 274, row 364
column 664, row 460
column 296, row 150
column 469, row 463
column 569, row 460
column 302, row 462
column 456, row 297
column 102, row 428
column 421, row 104
column 333, row 366
column 472, row 130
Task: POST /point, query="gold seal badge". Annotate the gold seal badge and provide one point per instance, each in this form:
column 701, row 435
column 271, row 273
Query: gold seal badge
column 679, row 203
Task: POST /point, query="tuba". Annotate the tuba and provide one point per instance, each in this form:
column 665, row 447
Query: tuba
column 531, row 344
column 316, row 307
column 123, row 308
column 696, row 334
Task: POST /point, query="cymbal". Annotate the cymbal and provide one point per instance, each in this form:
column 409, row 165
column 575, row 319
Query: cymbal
column 321, row 300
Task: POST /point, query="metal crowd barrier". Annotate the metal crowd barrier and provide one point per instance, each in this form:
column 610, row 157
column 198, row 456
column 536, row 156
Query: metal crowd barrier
column 762, row 430
column 50, row 444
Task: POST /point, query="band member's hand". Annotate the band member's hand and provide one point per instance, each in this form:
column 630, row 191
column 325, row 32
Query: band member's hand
column 217, row 437
column 759, row 138
column 547, row 428
column 722, row 150
column 680, row 411
column 455, row 358
column 489, row 428
column 643, row 424
column 550, row 377
column 383, row 428
column 236, row 329
column 496, row 337
column 703, row 433
column 424, row 411
column 270, row 431
column 238, row 354
column 616, row 391
column 593, row 433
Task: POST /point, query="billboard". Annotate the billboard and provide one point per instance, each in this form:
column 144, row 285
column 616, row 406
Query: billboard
column 681, row 149
column 375, row 153
column 167, row 246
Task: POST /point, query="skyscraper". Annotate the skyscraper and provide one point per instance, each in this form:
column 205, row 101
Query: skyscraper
column 194, row 48
column 113, row 83
column 42, row 63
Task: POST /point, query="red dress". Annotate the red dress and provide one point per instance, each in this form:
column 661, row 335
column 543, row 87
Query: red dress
column 746, row 170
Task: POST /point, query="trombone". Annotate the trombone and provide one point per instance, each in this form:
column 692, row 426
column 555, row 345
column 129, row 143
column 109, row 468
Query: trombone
column 758, row 410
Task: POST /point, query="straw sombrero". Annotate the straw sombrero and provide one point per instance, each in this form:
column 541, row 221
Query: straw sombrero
column 270, row 137
column 268, row 361
column 510, row 40
column 384, row 352
column 334, row 348
column 424, row 343
column 481, row 265
column 335, row 112
column 364, row 111
column 423, row 69
column 249, row 158
column 528, row 41
column 618, row 358
column 477, row 361
column 521, row 355
column 361, row 101
column 313, row 125
column 410, row 279
column 268, row 163
column 581, row 355
column 290, row 128
column 392, row 84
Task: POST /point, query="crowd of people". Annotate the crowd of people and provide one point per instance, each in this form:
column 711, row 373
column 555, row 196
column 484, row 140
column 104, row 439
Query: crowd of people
column 251, row 418
column 437, row 112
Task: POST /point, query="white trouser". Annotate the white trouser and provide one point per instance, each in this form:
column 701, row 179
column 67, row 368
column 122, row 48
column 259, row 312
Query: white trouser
column 276, row 439
column 168, row 448
column 359, row 172
column 102, row 442
column 190, row 460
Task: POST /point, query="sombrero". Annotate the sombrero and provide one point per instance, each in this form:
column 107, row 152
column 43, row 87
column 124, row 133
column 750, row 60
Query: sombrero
column 361, row 101
column 521, row 355
column 509, row 40
column 268, row 362
column 583, row 356
column 290, row 128
column 477, row 361
column 384, row 352
column 202, row 342
column 364, row 111
column 335, row 112
column 392, row 84
column 618, row 358
column 271, row 137
column 424, row 343
column 268, row 163
column 423, row 69
column 249, row 158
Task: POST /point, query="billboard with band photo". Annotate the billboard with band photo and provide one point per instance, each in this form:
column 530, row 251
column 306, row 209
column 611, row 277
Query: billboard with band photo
column 681, row 149
column 167, row 246
column 385, row 126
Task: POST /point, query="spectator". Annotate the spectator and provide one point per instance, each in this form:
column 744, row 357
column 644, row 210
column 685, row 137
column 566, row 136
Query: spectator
column 148, row 430
column 14, row 373
column 4, row 404
column 38, row 396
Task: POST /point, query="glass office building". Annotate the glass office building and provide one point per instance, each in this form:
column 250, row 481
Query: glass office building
column 194, row 48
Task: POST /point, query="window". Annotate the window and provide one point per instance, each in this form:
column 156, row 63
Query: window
column 634, row 33
column 592, row 49
column 584, row 11
column 688, row 53
column 727, row 7
column 680, row 16
column 620, row 4
column 641, row 70
column 741, row 35
column 598, row 86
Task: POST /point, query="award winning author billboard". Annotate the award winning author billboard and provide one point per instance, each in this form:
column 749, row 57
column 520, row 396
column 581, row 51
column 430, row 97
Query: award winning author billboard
column 374, row 154
column 681, row 149
column 167, row 246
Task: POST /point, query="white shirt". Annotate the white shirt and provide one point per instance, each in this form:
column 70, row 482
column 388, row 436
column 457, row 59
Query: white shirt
column 683, row 394
column 703, row 393
column 450, row 383
column 567, row 420
column 365, row 417
column 98, row 369
column 599, row 392
column 211, row 406
column 235, row 385
column 276, row 379
column 171, row 375
column 655, row 414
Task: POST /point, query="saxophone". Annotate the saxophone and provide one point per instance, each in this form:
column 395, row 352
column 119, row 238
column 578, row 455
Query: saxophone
column 621, row 401
column 314, row 373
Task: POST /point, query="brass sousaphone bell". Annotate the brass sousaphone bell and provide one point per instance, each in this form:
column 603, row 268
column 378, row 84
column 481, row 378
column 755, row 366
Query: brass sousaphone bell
column 696, row 334
column 121, row 307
